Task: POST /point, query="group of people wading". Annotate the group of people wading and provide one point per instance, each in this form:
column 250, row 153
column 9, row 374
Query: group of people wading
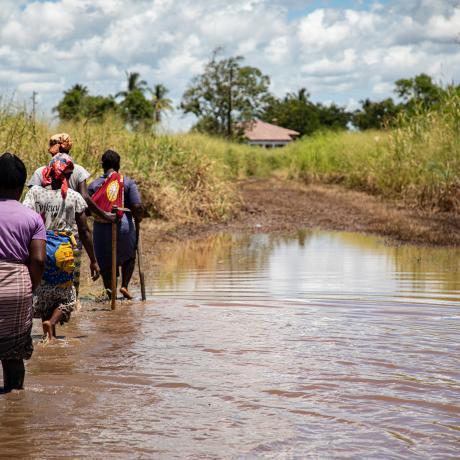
column 41, row 242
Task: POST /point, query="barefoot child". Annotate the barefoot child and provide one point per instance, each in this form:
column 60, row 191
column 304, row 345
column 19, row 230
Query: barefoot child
column 61, row 208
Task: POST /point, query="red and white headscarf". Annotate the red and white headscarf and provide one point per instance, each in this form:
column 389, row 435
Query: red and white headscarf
column 58, row 167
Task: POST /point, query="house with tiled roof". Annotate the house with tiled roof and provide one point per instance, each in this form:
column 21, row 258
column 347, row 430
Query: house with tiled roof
column 267, row 135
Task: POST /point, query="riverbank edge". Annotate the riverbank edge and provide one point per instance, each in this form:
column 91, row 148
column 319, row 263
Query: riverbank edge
column 280, row 206
column 284, row 206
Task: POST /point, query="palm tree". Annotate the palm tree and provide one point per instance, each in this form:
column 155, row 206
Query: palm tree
column 303, row 95
column 82, row 90
column 134, row 84
column 159, row 101
column 71, row 106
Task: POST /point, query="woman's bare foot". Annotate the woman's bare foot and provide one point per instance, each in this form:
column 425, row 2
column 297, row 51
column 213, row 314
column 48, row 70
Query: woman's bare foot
column 124, row 291
column 47, row 330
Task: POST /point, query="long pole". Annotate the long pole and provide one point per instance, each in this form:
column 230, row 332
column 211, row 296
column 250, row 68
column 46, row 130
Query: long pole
column 139, row 264
column 34, row 105
column 114, row 265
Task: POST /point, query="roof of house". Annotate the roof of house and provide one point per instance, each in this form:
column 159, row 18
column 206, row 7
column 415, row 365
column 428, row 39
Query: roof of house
column 260, row 131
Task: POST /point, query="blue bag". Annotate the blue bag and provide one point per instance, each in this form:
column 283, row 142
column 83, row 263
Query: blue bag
column 60, row 261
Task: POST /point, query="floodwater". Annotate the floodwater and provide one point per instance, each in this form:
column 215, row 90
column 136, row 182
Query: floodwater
column 318, row 345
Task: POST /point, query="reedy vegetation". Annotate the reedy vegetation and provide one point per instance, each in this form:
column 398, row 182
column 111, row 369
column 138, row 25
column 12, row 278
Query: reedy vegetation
column 417, row 161
column 177, row 181
column 192, row 177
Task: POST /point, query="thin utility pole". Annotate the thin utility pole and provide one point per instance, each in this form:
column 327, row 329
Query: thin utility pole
column 34, row 105
column 230, row 103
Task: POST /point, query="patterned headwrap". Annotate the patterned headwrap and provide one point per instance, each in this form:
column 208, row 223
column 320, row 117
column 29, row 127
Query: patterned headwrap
column 60, row 140
column 60, row 165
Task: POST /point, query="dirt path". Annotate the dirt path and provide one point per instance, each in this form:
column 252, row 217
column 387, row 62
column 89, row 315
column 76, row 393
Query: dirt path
column 282, row 206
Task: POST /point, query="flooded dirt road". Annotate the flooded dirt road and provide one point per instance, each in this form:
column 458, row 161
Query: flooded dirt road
column 319, row 345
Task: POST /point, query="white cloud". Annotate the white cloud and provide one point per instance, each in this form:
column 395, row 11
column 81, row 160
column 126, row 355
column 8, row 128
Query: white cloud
column 444, row 28
column 351, row 105
column 338, row 54
column 278, row 50
column 382, row 88
column 39, row 21
column 324, row 29
column 326, row 66
column 41, row 86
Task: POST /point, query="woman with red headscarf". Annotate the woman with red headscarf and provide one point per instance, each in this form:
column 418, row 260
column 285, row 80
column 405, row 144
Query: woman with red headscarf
column 59, row 144
column 61, row 208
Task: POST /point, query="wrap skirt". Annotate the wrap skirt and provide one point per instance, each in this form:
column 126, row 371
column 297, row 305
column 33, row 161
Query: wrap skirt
column 15, row 311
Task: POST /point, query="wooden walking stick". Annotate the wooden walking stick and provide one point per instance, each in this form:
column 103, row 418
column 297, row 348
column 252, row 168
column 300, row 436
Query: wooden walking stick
column 139, row 263
column 114, row 261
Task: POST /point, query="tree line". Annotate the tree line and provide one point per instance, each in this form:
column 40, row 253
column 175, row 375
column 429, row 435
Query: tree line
column 138, row 105
column 228, row 94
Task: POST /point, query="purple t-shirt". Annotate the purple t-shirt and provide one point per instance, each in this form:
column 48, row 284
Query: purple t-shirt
column 19, row 225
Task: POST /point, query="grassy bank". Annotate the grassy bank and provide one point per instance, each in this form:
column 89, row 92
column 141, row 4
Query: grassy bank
column 417, row 162
column 178, row 179
column 183, row 177
column 192, row 177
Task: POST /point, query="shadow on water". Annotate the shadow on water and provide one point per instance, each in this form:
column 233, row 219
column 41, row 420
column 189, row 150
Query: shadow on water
column 322, row 345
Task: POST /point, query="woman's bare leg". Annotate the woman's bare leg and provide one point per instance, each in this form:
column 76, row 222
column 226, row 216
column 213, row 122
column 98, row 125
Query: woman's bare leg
column 49, row 326
column 13, row 374
column 127, row 270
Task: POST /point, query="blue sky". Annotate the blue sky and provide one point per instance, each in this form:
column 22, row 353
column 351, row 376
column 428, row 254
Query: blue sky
column 341, row 50
column 298, row 11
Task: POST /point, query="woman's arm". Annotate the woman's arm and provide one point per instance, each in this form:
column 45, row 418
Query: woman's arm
column 86, row 238
column 37, row 257
column 29, row 200
column 138, row 212
column 133, row 197
column 92, row 206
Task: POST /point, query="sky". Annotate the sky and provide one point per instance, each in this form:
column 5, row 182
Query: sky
column 342, row 51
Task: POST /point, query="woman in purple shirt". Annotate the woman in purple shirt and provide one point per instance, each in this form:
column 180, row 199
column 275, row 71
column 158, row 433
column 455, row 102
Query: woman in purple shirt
column 127, row 228
column 22, row 260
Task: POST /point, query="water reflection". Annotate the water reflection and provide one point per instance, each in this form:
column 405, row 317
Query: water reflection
column 318, row 345
column 312, row 265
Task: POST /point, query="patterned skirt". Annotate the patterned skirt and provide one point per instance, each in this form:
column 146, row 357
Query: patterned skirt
column 15, row 311
column 48, row 298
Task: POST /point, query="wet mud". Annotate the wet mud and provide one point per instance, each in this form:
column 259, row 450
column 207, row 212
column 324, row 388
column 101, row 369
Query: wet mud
column 283, row 206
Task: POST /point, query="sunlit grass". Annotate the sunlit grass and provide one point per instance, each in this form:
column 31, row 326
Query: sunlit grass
column 192, row 177
column 177, row 179
column 418, row 161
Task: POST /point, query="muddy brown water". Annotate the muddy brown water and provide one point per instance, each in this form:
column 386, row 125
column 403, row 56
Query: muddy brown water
column 318, row 345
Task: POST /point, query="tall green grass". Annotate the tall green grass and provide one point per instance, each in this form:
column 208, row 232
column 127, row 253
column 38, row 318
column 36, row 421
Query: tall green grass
column 350, row 158
column 192, row 177
column 183, row 177
column 417, row 161
column 177, row 181
column 239, row 161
